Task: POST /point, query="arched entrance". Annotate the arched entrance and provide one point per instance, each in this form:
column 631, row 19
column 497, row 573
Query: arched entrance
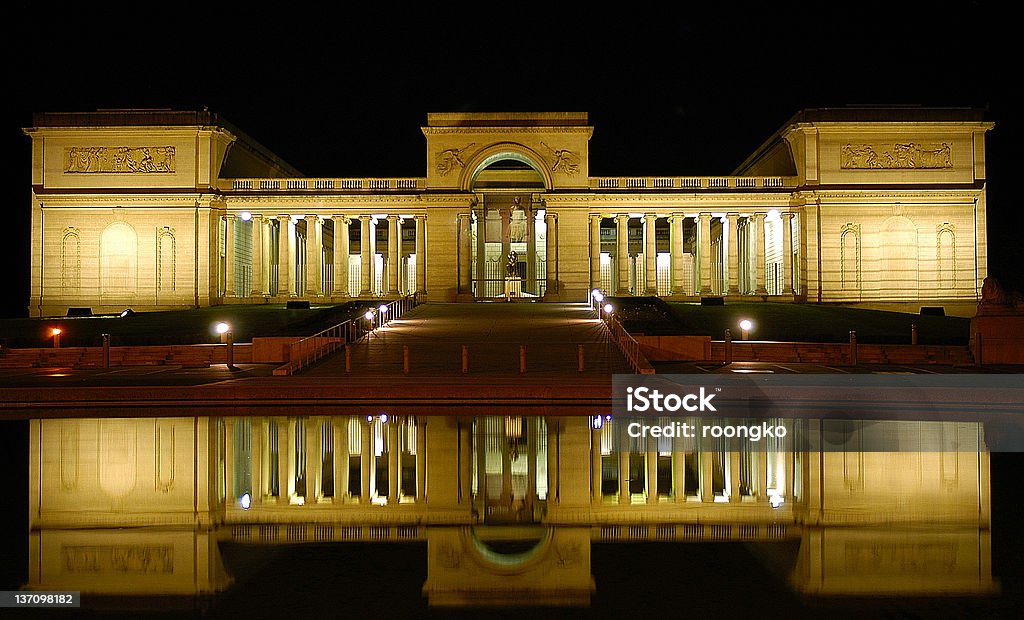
column 511, row 468
column 508, row 252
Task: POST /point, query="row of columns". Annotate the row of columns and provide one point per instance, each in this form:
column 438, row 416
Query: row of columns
column 466, row 250
column 679, row 492
column 314, row 250
column 313, row 459
column 704, row 260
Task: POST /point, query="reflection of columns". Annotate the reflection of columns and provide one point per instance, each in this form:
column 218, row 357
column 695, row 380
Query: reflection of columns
column 481, row 463
column 421, row 256
column 787, row 253
column 551, row 253
column 622, row 253
column 650, row 255
column 531, row 252
column 734, row 247
column 341, row 250
column 552, row 456
column 341, row 459
column 365, row 460
column 421, row 456
column 758, row 219
column 313, row 459
column 229, row 256
column 624, row 443
column 707, row 469
column 256, row 446
column 393, row 429
column 762, row 474
column 466, row 462
column 365, row 259
column 283, row 460
column 531, row 465
column 284, row 261
column 394, row 243
column 652, row 470
column 230, row 492
column 675, row 242
column 257, row 289
column 595, row 252
column 506, row 241
column 595, row 464
column 314, row 255
column 704, row 239
column 465, row 254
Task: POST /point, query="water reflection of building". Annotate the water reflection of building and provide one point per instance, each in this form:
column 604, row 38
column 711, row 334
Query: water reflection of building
column 508, row 506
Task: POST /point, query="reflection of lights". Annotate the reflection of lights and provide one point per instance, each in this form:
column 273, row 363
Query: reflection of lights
column 380, row 501
column 56, row 331
column 383, row 418
column 369, row 418
column 245, row 215
column 597, row 422
column 222, row 328
column 775, row 501
column 608, row 417
column 245, row 501
column 300, row 501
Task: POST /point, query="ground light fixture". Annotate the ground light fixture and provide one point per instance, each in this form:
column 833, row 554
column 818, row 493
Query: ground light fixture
column 222, row 328
column 608, row 308
column 745, row 326
column 126, row 313
column 56, row 332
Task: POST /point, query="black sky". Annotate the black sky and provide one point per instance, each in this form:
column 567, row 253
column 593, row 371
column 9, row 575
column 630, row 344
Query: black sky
column 337, row 92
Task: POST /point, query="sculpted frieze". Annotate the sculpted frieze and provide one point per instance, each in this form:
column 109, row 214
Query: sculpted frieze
column 896, row 156
column 118, row 159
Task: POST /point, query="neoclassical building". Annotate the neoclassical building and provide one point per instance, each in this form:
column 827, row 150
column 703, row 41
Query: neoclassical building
column 155, row 209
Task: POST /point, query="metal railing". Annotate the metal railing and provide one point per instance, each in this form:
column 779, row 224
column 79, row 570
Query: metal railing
column 629, row 346
column 311, row 349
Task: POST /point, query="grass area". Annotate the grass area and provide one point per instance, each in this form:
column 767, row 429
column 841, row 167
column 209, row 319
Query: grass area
column 789, row 322
column 179, row 326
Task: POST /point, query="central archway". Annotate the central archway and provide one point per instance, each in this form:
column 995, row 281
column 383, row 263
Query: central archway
column 503, row 151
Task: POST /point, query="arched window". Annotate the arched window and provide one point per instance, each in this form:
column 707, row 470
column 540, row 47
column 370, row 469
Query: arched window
column 166, row 255
column 945, row 254
column 118, row 260
column 849, row 259
column 71, row 261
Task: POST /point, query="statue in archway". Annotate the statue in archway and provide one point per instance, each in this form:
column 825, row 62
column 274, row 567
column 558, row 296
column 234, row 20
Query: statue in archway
column 512, row 267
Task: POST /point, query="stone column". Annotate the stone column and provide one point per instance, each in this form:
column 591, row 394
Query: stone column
column 551, row 220
column 652, row 470
column 257, row 289
column 314, row 459
column 758, row 231
column 284, row 261
column 650, row 255
column 394, row 253
column 733, row 249
column 421, row 255
column 314, row 256
column 421, row 452
column 531, row 251
column 365, row 460
column 393, row 428
column 595, row 252
column 595, row 464
column 704, row 240
column 341, row 458
column 787, row 253
column 622, row 253
column 341, row 251
column 229, row 256
column 707, row 491
column 675, row 235
column 283, row 460
column 481, row 253
column 552, row 456
column 366, row 258
column 465, row 254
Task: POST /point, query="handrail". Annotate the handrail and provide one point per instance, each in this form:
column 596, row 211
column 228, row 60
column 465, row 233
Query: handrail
column 629, row 346
column 311, row 349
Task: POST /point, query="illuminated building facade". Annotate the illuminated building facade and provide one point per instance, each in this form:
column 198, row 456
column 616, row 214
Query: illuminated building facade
column 159, row 210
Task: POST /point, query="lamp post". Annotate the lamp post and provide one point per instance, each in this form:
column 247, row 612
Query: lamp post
column 55, row 332
column 227, row 337
column 745, row 326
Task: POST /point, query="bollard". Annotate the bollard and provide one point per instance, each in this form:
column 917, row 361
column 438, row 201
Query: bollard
column 579, row 357
column 913, row 333
column 348, row 358
column 106, row 350
column 522, row 358
column 231, row 349
column 853, row 348
column 405, row 359
column 728, row 346
column 465, row 359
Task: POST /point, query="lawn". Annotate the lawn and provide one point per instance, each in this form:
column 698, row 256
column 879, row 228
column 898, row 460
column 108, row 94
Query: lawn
column 179, row 326
column 789, row 322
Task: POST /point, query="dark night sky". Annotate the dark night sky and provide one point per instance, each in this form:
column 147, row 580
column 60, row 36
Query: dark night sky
column 340, row 93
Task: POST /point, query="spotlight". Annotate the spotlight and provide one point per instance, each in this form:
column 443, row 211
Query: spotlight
column 126, row 312
column 222, row 328
column 56, row 331
column 383, row 418
column 383, row 308
column 745, row 326
column 245, row 501
column 608, row 308
column 245, row 215
column 369, row 315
